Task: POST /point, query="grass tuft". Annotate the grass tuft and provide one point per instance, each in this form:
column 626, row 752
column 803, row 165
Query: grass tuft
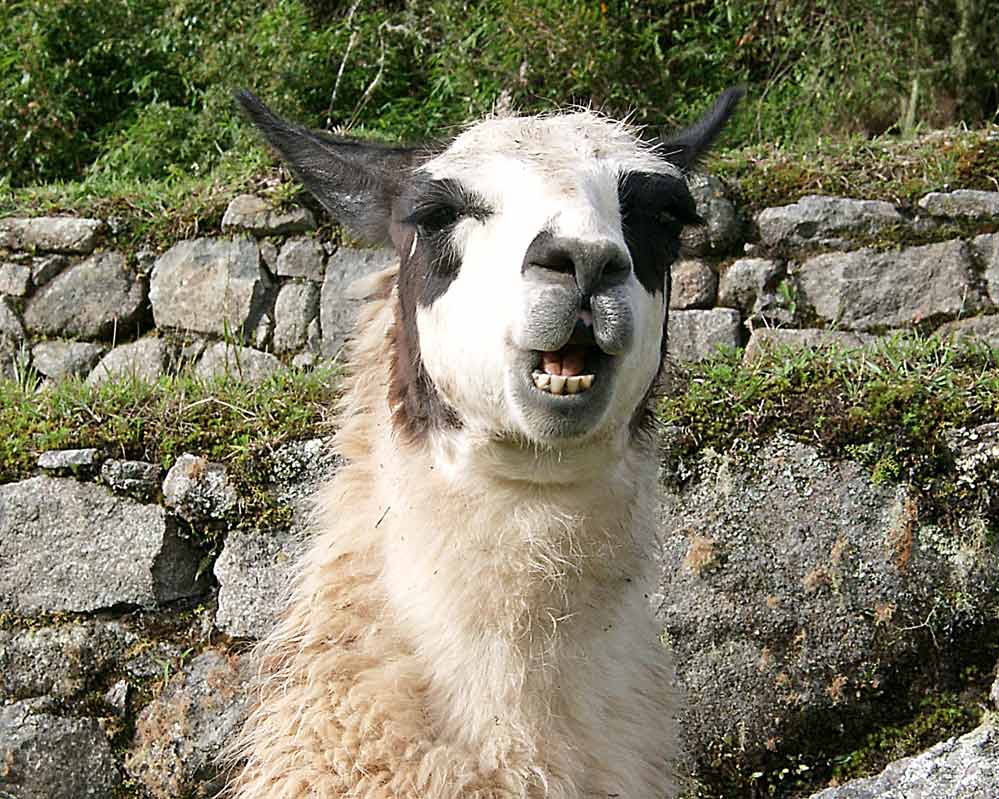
column 222, row 419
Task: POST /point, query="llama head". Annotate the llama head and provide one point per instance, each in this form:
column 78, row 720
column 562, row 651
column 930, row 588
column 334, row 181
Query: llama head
column 534, row 260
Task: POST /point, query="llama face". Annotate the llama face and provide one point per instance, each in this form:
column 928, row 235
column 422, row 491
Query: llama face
column 534, row 256
column 541, row 248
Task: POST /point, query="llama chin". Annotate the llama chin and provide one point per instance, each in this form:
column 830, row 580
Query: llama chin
column 471, row 617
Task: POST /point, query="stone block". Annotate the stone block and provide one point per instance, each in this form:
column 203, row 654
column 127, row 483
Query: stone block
column 15, row 279
column 146, row 360
column 722, row 230
column 338, row 305
column 696, row 335
column 58, row 359
column 180, row 735
column 43, row 756
column 50, row 234
column 297, row 305
column 97, row 298
column 302, row 257
column 257, row 216
column 870, row 290
column 254, row 571
column 766, row 340
column 223, row 360
column 199, row 490
column 816, row 220
column 72, row 546
column 215, row 286
column 693, row 284
column 795, row 592
column 962, row 204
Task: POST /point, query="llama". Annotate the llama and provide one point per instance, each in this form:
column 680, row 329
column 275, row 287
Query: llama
column 471, row 619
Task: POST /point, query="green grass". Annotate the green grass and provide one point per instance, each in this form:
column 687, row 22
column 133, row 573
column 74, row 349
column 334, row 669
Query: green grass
column 902, row 385
column 224, row 420
column 886, row 407
column 881, row 168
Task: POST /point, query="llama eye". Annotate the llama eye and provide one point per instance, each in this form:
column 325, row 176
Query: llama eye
column 436, row 218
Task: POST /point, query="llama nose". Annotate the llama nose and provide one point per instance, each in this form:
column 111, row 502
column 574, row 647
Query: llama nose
column 593, row 264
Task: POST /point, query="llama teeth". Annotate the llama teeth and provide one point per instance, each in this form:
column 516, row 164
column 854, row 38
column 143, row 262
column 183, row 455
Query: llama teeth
column 557, row 384
column 541, row 380
column 585, row 382
column 572, row 385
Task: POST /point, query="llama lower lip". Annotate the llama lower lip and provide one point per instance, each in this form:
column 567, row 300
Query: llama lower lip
column 571, row 408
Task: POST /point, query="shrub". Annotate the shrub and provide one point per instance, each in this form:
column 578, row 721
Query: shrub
column 142, row 87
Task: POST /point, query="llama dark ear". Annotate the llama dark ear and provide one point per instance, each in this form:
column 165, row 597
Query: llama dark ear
column 356, row 181
column 686, row 148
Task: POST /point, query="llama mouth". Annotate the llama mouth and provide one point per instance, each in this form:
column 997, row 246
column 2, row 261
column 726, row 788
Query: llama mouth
column 572, row 369
column 559, row 385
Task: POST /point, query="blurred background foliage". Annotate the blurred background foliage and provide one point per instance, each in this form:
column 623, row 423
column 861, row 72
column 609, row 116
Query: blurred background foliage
column 141, row 89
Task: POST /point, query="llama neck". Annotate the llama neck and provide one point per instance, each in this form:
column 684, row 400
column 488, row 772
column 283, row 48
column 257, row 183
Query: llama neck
column 501, row 583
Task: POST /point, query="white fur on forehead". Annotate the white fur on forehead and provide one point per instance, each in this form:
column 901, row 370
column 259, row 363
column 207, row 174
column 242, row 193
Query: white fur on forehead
column 557, row 142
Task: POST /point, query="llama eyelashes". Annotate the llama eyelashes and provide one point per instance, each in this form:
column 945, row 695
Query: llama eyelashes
column 559, row 385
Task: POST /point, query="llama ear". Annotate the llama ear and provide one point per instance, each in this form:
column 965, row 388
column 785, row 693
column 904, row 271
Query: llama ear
column 686, row 148
column 356, row 181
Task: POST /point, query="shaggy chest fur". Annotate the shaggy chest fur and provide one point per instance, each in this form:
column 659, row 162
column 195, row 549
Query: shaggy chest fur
column 468, row 646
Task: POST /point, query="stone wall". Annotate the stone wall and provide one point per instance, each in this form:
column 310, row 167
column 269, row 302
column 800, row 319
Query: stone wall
column 800, row 595
column 267, row 292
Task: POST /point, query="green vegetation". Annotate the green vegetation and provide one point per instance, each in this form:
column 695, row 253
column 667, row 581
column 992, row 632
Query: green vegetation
column 881, row 168
column 225, row 420
column 139, row 90
column 885, row 406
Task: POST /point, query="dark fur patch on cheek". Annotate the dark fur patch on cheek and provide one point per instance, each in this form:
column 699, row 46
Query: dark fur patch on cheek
column 417, row 406
column 442, row 264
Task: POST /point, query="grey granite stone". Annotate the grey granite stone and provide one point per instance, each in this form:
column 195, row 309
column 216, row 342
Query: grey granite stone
column 722, row 230
column 43, row 756
column 254, row 571
column 696, row 335
column 869, row 290
column 13, row 340
column 15, row 279
column 198, row 490
column 962, row 204
column 215, row 286
column 58, row 359
column 296, row 307
column 958, row 768
column 693, row 284
column 47, row 267
column 60, row 661
column 823, row 221
column 981, row 329
column 180, row 734
column 255, row 215
column 138, row 479
column 71, row 546
column 96, row 298
column 338, row 305
column 749, row 284
column 302, row 257
column 146, row 360
column 50, row 234
column 795, row 593
column 223, row 360
column 986, row 247
column 766, row 340
column 75, row 460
